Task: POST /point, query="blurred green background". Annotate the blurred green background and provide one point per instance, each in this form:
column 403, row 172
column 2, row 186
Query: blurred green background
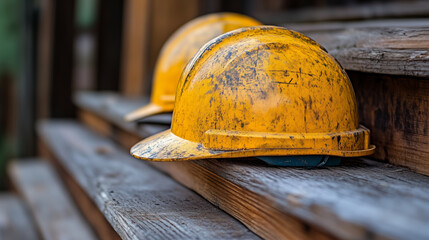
column 10, row 69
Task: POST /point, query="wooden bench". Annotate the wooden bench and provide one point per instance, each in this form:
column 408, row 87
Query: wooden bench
column 54, row 211
column 346, row 202
column 138, row 201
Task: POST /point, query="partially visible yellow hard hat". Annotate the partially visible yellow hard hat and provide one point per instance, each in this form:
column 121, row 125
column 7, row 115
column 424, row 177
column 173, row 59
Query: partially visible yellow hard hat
column 261, row 91
column 177, row 52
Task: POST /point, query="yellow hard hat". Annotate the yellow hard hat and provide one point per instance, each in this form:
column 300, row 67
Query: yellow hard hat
column 261, row 91
column 177, row 52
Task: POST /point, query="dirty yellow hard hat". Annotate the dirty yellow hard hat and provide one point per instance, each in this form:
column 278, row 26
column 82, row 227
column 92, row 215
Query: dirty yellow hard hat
column 261, row 91
column 177, row 52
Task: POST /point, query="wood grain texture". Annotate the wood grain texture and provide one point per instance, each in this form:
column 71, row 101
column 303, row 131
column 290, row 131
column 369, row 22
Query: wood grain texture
column 56, row 215
column 358, row 200
column 138, row 201
column 88, row 208
column 15, row 221
column 382, row 50
column 396, row 110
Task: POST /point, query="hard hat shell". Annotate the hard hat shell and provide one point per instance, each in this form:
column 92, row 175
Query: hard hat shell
column 177, row 52
column 261, row 91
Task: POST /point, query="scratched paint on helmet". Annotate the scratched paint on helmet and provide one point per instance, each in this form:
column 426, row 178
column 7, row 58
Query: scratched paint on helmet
column 261, row 91
column 177, row 52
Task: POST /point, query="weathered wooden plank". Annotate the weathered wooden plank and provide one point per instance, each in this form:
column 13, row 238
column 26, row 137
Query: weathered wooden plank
column 382, row 50
column 15, row 221
column 343, row 25
column 396, row 109
column 349, row 12
column 357, row 200
column 138, row 201
column 88, row 208
column 56, row 215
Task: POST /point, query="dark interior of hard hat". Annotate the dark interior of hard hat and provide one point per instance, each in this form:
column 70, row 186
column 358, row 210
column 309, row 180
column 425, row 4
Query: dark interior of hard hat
column 302, row 161
column 158, row 119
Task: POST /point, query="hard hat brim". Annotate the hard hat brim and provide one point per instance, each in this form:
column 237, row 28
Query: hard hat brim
column 166, row 146
column 145, row 111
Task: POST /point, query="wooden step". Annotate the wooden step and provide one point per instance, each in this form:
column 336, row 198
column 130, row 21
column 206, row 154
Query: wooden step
column 55, row 214
column 359, row 200
column 384, row 50
column 347, row 12
column 341, row 27
column 15, row 221
column 138, row 201
column 389, row 69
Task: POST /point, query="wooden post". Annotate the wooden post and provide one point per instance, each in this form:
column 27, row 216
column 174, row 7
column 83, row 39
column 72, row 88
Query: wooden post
column 109, row 44
column 134, row 61
column 147, row 25
column 56, row 59
column 44, row 60
column 167, row 17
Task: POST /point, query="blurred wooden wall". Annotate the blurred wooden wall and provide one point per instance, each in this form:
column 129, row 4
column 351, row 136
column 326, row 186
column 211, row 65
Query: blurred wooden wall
column 147, row 25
